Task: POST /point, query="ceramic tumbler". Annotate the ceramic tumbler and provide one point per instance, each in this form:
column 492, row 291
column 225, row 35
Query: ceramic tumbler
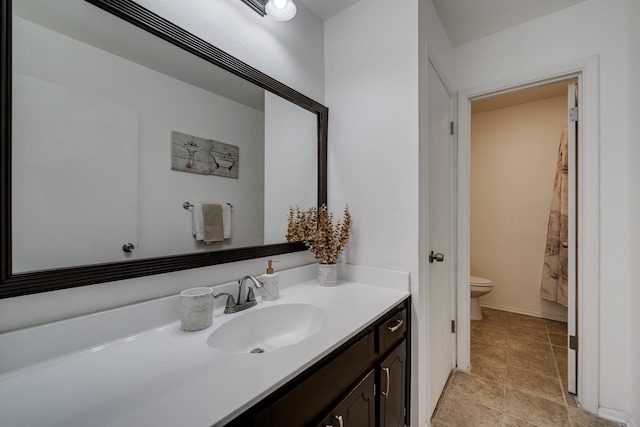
column 196, row 308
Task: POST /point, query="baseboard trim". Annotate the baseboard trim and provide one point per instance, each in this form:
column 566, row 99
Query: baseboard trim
column 617, row 416
column 549, row 316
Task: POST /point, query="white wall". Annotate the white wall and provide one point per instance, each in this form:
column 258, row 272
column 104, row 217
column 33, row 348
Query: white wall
column 291, row 164
column 633, row 50
column 371, row 81
column 290, row 52
column 514, row 152
column 594, row 27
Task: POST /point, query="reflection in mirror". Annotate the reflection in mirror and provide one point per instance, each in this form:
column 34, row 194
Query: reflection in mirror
column 95, row 101
column 92, row 136
column 290, row 164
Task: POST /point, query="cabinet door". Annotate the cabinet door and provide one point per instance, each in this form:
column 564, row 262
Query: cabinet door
column 393, row 391
column 357, row 409
column 313, row 397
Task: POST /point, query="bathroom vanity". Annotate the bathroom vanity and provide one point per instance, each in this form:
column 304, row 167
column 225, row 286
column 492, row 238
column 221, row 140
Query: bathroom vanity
column 329, row 354
column 364, row 379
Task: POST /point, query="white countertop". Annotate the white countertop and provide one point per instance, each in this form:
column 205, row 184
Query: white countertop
column 168, row 377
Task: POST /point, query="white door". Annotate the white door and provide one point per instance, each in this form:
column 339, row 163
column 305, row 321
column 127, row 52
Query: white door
column 440, row 294
column 572, row 312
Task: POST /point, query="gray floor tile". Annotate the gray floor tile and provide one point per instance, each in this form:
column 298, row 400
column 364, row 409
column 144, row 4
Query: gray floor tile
column 558, row 339
column 534, row 409
column 518, row 377
column 541, row 363
column 481, row 390
column 460, row 412
column 545, row 386
column 556, row 327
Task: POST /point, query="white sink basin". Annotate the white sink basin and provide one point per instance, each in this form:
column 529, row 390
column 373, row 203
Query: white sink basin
column 264, row 329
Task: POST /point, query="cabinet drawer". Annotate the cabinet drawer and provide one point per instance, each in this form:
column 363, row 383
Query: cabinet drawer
column 392, row 330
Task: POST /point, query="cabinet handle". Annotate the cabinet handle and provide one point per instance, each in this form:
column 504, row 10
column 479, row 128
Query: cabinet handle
column 386, row 371
column 339, row 418
column 394, row 328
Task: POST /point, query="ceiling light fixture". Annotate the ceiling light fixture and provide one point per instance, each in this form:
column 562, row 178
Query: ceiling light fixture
column 281, row 10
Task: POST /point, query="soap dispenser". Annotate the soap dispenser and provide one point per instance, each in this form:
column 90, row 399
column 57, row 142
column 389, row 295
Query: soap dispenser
column 270, row 283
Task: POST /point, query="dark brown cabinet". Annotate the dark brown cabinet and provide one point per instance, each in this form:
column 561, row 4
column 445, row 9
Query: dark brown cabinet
column 363, row 383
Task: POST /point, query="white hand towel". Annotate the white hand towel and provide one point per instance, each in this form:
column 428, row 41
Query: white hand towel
column 197, row 222
column 226, row 220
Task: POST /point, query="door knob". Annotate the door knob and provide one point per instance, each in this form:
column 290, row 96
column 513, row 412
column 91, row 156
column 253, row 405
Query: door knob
column 128, row 247
column 435, row 257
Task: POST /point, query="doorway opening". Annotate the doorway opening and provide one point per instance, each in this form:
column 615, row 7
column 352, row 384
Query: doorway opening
column 522, row 206
column 583, row 309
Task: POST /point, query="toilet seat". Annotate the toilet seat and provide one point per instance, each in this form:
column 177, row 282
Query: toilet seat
column 479, row 286
column 480, row 282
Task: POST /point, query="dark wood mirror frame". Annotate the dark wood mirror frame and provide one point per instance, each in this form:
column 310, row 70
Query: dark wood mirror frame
column 12, row 285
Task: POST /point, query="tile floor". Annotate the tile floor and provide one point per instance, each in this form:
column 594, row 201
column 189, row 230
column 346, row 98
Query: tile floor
column 518, row 377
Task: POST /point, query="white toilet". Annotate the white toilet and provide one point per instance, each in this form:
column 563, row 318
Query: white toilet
column 479, row 286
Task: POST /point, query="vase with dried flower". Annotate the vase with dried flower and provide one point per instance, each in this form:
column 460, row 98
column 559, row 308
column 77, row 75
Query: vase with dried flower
column 324, row 239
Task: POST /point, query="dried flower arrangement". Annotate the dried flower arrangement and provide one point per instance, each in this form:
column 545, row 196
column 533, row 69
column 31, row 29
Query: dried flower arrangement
column 315, row 228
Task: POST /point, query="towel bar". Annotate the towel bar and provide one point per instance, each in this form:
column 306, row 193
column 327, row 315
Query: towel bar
column 188, row 205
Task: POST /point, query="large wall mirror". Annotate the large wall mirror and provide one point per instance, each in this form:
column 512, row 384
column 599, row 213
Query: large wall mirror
column 116, row 123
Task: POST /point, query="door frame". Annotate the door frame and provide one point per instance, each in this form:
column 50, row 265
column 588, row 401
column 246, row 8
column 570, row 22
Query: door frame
column 587, row 209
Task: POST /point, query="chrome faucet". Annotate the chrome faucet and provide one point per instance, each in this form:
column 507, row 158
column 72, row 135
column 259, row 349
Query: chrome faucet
column 242, row 304
column 257, row 284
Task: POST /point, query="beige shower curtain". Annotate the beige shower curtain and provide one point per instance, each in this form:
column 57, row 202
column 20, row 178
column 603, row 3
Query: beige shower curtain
column 554, row 274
